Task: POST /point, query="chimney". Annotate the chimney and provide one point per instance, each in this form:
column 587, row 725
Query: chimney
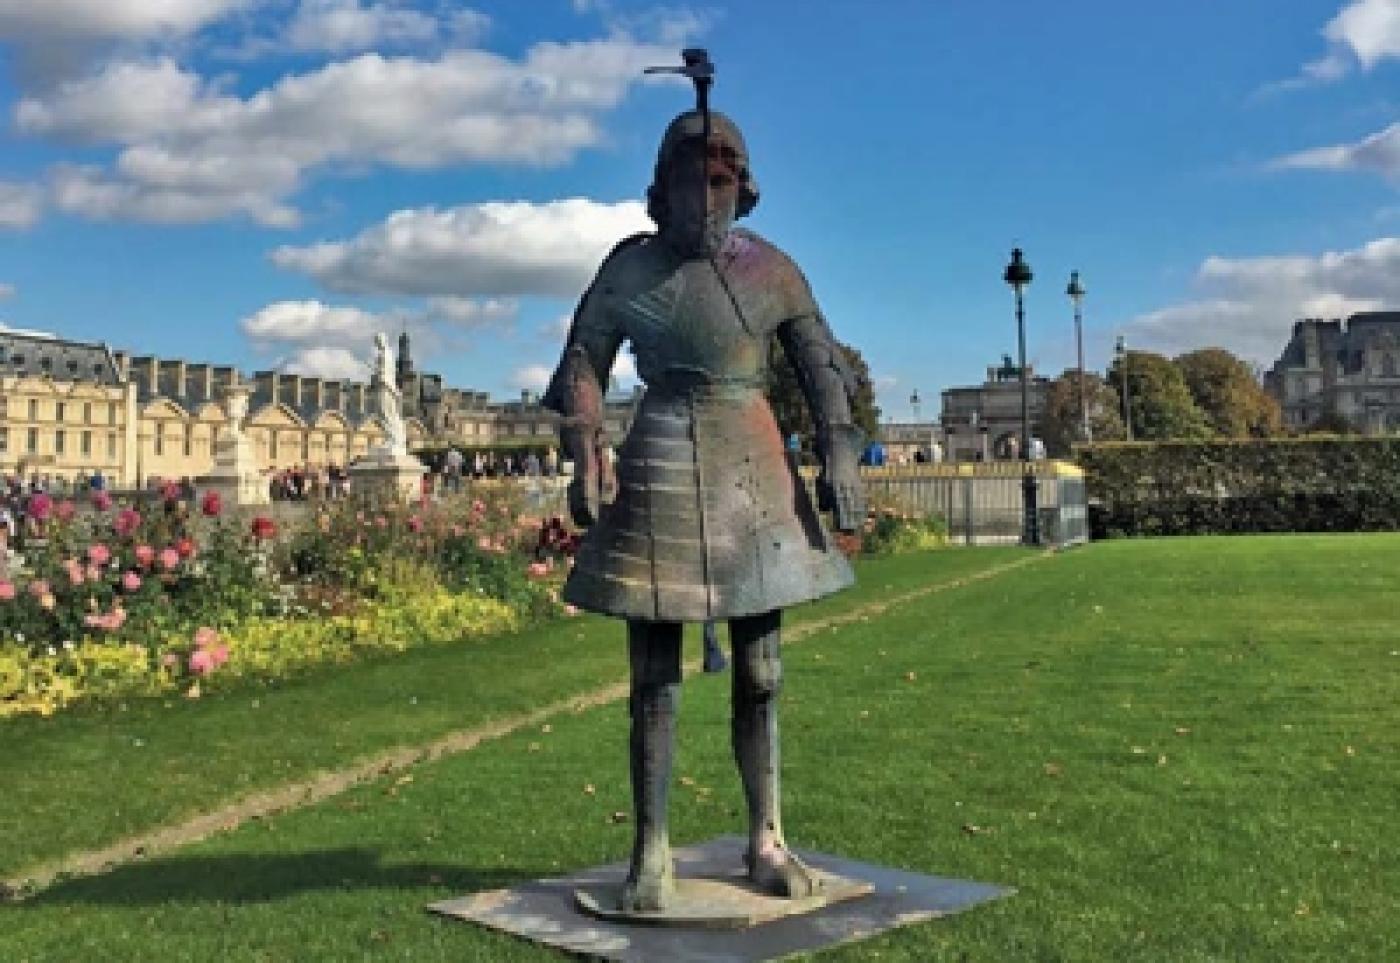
column 1312, row 349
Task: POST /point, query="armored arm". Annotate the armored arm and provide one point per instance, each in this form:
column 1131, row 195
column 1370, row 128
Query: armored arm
column 830, row 385
column 576, row 392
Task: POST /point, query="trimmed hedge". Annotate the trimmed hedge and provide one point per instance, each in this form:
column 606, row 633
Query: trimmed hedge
column 1325, row 484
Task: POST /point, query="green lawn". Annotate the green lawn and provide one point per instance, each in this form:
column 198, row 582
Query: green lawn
column 1175, row 750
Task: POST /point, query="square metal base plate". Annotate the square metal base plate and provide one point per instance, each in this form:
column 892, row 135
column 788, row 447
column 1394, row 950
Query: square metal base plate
column 548, row 911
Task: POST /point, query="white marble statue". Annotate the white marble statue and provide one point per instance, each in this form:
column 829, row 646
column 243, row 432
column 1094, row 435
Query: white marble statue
column 387, row 394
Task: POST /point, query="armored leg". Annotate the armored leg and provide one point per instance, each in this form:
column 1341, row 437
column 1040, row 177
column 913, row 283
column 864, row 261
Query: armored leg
column 757, row 681
column 655, row 651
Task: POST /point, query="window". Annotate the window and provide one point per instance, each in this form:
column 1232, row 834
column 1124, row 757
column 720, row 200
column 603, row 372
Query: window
column 4, row 439
column 111, row 444
column 31, row 441
column 58, row 442
column 160, row 438
column 33, row 410
column 4, row 406
column 272, row 444
column 60, row 411
column 87, row 412
column 112, row 413
column 85, row 443
column 189, row 440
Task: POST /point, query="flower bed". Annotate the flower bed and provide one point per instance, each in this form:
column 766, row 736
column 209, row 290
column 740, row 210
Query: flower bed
column 115, row 603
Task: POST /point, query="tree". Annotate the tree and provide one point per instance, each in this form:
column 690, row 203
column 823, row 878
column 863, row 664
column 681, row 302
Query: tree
column 790, row 407
column 1224, row 387
column 1061, row 422
column 1161, row 405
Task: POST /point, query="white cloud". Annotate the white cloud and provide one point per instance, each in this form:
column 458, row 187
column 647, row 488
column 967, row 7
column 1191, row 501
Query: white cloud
column 326, row 362
column 1379, row 154
column 1363, row 32
column 342, row 26
column 472, row 313
column 26, row 20
column 1249, row 304
column 532, row 377
column 28, row 331
column 497, row 249
column 20, row 204
column 6, row 291
column 311, row 322
column 187, row 150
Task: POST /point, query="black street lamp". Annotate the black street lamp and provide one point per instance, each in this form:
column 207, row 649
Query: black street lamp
column 1018, row 275
column 1076, row 296
column 914, row 402
column 1121, row 351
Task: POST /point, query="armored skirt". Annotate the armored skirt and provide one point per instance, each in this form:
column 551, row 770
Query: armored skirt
column 711, row 521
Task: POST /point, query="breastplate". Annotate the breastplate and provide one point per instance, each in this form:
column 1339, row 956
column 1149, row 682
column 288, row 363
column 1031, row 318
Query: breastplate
column 686, row 324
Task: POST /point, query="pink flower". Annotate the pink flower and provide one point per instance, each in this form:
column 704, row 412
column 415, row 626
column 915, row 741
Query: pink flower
column 145, row 555
column 571, row 610
column 38, row 588
column 75, row 573
column 382, row 522
column 131, row 581
column 263, row 528
column 170, row 660
column 7, row 591
column 483, row 543
column 101, row 501
column 170, row 491
column 458, row 531
column 211, row 504
column 415, row 524
column 185, row 547
column 204, row 637
column 40, row 506
column 127, row 521
column 169, row 558
column 220, row 653
column 99, row 554
column 537, row 570
column 479, row 507
column 66, row 510
column 202, row 662
column 94, row 573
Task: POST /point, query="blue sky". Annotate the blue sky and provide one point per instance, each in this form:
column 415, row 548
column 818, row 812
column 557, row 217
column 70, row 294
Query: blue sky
column 267, row 182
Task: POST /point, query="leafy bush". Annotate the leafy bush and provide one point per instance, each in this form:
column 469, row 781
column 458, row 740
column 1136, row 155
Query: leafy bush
column 1288, row 485
column 893, row 531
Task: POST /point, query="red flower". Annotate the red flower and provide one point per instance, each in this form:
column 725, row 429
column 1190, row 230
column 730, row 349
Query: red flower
column 66, row 510
column 170, row 491
column 128, row 520
column 101, row 501
column 185, row 547
column 40, row 506
column 211, row 504
column 264, row 527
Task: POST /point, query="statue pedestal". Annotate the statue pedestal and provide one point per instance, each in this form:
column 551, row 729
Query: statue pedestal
column 387, row 474
column 717, row 917
column 235, row 475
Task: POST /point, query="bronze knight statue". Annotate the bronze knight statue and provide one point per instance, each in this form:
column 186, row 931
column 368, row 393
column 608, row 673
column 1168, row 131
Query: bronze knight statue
column 705, row 518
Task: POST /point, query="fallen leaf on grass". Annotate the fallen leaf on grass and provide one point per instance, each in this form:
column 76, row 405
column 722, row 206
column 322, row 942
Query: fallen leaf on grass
column 1182, row 730
column 910, row 676
column 1350, row 750
column 687, row 781
column 1053, row 769
column 534, row 747
column 403, row 780
column 546, row 728
column 193, row 692
column 972, row 829
column 588, row 789
column 618, row 817
column 1161, row 760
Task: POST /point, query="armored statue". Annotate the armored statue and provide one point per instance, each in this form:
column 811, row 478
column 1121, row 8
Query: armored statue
column 703, row 517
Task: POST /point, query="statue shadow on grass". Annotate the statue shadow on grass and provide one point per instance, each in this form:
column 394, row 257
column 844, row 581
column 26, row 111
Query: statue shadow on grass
column 267, row 877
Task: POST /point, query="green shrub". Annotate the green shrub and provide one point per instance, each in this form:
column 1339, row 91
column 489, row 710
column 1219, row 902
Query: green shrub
column 1228, row 487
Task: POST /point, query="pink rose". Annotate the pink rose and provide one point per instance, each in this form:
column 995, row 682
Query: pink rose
column 7, row 591
column 127, row 521
column 202, row 662
column 94, row 573
column 145, row 555
column 38, row 588
column 40, row 507
column 185, row 547
column 169, row 558
column 99, row 554
column 101, row 501
column 204, row 637
column 537, row 570
column 211, row 504
column 483, row 543
column 170, row 491
column 66, row 510
column 75, row 573
column 170, row 660
column 131, row 581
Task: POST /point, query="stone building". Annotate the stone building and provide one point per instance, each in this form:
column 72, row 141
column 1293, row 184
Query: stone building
column 69, row 408
column 1333, row 368
column 983, row 422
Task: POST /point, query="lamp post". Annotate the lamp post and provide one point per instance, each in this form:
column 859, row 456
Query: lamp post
column 1018, row 275
column 914, row 401
column 1076, row 296
column 1120, row 350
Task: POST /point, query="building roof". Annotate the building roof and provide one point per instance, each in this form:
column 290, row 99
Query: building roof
column 31, row 354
